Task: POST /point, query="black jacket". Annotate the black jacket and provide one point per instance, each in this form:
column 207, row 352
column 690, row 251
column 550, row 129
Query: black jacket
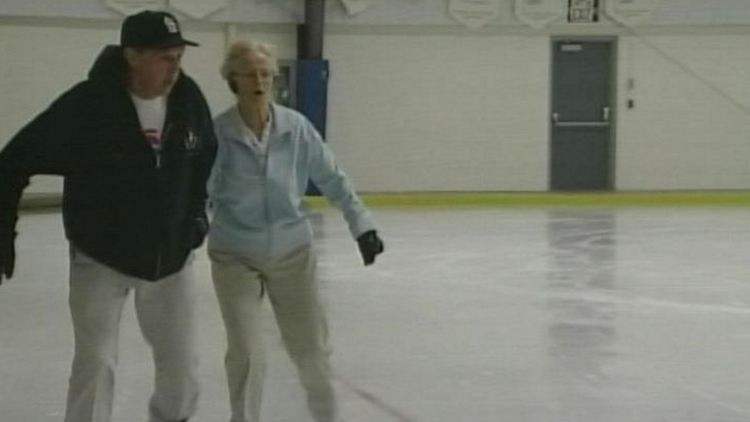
column 121, row 205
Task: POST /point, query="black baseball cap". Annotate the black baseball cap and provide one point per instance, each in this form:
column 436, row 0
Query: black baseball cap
column 152, row 29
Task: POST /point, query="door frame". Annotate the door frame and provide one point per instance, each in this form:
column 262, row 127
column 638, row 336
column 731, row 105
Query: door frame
column 613, row 40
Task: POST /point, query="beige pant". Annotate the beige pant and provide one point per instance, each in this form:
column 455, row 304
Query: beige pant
column 290, row 283
column 166, row 315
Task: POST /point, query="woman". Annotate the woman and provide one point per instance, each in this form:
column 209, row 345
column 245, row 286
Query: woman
column 260, row 238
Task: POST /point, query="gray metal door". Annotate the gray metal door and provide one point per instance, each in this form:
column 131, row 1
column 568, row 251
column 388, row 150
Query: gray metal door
column 581, row 150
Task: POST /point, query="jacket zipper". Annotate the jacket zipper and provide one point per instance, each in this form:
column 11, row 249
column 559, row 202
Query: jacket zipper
column 157, row 154
column 264, row 177
column 157, row 151
column 158, row 266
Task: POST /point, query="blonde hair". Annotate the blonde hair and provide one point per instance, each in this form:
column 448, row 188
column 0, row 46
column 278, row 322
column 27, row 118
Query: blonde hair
column 238, row 53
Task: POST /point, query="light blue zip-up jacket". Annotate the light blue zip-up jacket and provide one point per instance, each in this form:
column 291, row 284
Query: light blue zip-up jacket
column 258, row 210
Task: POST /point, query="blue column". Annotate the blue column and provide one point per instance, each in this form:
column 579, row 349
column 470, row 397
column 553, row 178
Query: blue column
column 312, row 97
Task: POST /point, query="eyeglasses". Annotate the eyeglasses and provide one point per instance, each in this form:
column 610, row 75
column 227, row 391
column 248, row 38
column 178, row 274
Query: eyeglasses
column 261, row 74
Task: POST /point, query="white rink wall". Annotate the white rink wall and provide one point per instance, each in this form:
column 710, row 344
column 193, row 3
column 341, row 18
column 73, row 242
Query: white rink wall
column 419, row 103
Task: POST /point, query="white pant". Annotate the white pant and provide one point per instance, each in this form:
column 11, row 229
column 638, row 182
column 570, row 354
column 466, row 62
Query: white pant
column 241, row 283
column 166, row 315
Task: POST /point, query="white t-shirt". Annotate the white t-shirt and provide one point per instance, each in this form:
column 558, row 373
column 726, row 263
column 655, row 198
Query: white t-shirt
column 152, row 113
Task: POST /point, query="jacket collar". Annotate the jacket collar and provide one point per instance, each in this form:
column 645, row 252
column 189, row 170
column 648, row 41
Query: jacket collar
column 280, row 124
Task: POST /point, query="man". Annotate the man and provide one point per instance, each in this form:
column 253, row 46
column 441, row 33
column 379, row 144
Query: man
column 135, row 145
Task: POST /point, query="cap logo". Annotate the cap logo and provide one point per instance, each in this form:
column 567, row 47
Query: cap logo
column 171, row 25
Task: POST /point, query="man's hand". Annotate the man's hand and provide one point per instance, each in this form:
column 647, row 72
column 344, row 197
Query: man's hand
column 370, row 245
column 7, row 254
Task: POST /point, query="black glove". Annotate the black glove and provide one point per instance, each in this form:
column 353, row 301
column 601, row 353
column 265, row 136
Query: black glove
column 200, row 228
column 7, row 254
column 369, row 246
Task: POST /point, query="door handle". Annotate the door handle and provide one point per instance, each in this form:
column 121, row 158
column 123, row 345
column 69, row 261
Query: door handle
column 582, row 123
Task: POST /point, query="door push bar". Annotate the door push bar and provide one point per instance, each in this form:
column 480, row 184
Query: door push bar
column 604, row 122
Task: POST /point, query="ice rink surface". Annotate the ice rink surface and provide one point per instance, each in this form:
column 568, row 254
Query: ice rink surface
column 475, row 315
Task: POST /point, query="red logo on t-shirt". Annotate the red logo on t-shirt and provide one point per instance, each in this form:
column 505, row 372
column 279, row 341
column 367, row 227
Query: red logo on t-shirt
column 154, row 138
